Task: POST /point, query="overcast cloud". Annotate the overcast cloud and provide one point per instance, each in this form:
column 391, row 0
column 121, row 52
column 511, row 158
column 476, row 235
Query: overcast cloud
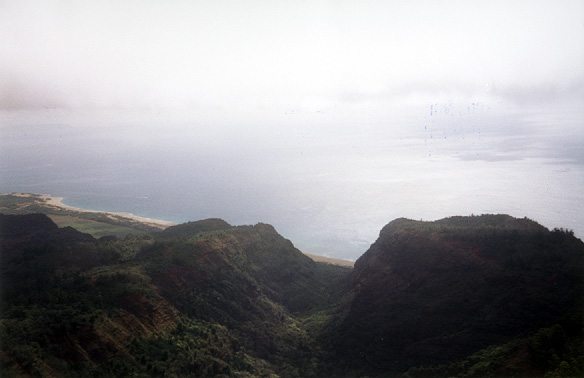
column 264, row 56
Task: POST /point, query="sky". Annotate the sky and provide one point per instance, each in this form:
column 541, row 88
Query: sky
column 319, row 90
column 263, row 58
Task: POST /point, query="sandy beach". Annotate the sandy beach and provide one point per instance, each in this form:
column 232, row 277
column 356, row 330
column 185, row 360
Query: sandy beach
column 57, row 202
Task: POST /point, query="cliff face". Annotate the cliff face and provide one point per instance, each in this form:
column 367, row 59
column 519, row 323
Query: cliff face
column 430, row 292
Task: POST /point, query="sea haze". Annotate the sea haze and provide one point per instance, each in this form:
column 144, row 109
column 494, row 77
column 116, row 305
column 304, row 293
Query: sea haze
column 328, row 182
column 327, row 119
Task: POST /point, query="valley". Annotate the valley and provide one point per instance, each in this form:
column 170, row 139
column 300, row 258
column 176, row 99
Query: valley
column 478, row 296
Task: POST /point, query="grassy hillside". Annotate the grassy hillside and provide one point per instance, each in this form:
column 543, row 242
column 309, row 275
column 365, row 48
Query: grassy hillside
column 95, row 223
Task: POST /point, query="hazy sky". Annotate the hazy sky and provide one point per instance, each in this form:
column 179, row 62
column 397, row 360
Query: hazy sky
column 265, row 58
column 327, row 119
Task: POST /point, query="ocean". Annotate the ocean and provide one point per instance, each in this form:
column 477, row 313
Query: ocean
column 327, row 187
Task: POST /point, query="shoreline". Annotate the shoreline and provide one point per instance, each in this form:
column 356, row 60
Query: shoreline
column 58, row 203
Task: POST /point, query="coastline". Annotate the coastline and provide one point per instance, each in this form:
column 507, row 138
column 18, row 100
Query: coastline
column 58, row 203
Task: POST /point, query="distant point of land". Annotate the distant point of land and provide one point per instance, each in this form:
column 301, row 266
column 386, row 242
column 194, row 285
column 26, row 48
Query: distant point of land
column 96, row 223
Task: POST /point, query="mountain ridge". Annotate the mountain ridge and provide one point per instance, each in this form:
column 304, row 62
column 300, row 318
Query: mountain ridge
column 478, row 288
column 463, row 296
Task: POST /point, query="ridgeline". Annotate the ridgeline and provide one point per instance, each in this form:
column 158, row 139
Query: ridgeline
column 464, row 296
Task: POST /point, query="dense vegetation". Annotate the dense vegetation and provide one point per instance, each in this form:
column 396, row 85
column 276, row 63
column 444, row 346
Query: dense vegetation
column 464, row 296
column 199, row 299
column 430, row 293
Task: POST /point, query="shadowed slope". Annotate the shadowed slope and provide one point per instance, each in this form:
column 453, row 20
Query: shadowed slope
column 430, row 292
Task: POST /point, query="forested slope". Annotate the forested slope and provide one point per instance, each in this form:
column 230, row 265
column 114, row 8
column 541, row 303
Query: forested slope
column 429, row 293
column 463, row 296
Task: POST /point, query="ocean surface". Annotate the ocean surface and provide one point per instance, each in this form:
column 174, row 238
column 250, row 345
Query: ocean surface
column 327, row 187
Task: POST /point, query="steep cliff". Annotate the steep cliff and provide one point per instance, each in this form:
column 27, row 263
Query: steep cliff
column 426, row 293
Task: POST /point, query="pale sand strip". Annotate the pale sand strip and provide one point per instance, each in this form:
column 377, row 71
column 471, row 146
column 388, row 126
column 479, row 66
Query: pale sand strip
column 331, row 260
column 57, row 202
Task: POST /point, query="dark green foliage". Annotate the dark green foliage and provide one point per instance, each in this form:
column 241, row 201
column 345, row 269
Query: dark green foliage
column 38, row 319
column 548, row 352
column 195, row 349
column 190, row 229
column 480, row 296
column 430, row 292
column 74, row 307
column 249, row 279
